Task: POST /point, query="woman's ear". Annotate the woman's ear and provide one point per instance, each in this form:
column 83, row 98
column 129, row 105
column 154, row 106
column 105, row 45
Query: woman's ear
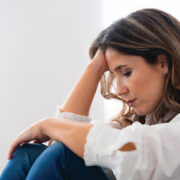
column 161, row 59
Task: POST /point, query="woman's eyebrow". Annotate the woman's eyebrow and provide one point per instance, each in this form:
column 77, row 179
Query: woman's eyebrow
column 118, row 67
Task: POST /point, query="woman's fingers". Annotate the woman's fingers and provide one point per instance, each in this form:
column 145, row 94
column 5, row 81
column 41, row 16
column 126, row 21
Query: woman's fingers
column 12, row 148
column 34, row 132
column 100, row 60
column 23, row 137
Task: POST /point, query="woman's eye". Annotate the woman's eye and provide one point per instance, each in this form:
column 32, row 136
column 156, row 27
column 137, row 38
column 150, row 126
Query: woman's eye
column 127, row 74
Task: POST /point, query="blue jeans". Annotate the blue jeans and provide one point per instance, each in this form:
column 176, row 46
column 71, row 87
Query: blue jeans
column 38, row 161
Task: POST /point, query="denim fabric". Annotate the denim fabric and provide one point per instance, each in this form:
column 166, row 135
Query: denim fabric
column 57, row 162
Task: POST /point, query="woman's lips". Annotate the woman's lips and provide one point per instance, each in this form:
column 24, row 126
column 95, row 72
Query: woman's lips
column 131, row 102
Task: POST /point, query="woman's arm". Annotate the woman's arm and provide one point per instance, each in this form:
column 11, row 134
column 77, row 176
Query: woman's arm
column 71, row 133
column 80, row 99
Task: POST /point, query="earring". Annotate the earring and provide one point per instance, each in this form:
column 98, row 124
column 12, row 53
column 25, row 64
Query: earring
column 165, row 73
column 162, row 64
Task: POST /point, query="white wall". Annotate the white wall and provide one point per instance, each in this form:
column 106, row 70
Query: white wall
column 43, row 51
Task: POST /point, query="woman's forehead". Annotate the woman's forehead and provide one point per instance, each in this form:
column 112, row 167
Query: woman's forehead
column 115, row 58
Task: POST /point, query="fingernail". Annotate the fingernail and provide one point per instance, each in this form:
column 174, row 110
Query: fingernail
column 36, row 141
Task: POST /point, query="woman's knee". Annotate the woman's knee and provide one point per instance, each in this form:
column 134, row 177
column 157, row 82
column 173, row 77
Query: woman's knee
column 59, row 147
column 58, row 150
column 22, row 160
column 52, row 163
column 30, row 150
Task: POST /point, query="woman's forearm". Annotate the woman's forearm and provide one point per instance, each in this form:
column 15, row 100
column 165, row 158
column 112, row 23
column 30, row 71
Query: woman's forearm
column 80, row 99
column 72, row 133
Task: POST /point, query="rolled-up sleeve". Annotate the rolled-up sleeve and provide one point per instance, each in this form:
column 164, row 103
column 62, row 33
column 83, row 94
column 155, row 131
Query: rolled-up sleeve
column 72, row 116
column 156, row 155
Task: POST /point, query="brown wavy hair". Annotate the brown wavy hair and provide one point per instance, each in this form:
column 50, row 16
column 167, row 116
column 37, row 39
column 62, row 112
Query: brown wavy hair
column 146, row 33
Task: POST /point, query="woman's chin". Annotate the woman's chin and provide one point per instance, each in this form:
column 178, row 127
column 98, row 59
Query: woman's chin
column 140, row 112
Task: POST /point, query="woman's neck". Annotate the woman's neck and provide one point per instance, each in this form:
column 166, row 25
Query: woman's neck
column 150, row 119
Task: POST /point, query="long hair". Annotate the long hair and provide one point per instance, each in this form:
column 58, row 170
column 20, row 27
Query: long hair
column 145, row 33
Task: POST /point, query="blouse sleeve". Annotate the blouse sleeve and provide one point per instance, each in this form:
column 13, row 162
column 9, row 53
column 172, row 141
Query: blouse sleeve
column 71, row 116
column 156, row 155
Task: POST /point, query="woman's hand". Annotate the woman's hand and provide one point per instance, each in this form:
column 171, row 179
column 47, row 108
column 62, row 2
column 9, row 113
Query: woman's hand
column 34, row 132
column 100, row 60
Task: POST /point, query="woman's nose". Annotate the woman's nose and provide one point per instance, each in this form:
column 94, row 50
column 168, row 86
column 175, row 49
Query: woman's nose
column 121, row 89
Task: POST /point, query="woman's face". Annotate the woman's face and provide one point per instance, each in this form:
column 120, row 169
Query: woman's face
column 138, row 83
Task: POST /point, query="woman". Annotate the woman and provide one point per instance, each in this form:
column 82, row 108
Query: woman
column 141, row 57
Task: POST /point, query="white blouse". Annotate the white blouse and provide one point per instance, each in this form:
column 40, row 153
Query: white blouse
column 157, row 154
